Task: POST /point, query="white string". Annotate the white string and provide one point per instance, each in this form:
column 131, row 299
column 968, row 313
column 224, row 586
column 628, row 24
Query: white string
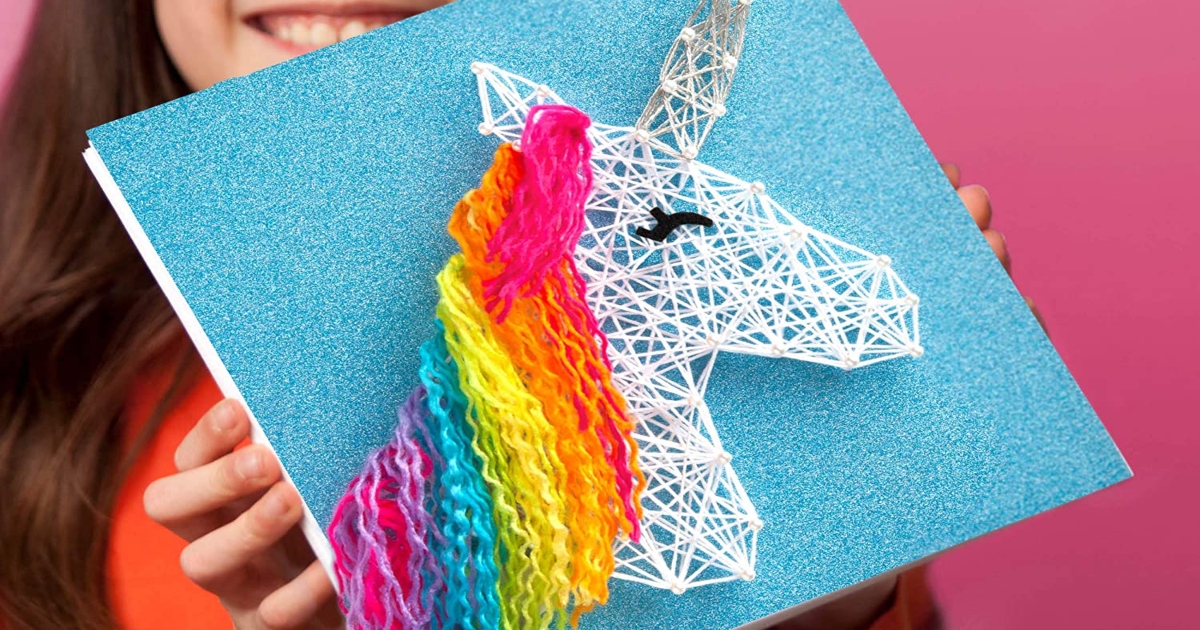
column 757, row 282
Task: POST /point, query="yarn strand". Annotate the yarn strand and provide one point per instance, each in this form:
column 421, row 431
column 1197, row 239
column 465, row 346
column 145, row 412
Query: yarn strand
column 513, row 468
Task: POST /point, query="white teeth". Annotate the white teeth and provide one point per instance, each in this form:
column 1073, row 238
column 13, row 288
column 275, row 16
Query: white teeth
column 301, row 34
column 323, row 34
column 318, row 32
column 353, row 28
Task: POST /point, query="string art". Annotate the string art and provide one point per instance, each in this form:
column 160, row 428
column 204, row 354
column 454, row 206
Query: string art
column 561, row 436
column 758, row 281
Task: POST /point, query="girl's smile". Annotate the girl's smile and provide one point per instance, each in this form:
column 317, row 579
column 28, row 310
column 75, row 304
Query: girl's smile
column 213, row 40
column 301, row 28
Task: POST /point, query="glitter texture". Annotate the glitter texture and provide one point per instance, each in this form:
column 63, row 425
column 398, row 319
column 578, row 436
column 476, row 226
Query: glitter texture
column 302, row 212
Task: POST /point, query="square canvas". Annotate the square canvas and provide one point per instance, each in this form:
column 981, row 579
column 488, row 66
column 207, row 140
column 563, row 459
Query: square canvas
column 297, row 220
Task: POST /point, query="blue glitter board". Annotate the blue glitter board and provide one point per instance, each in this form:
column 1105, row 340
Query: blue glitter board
column 296, row 217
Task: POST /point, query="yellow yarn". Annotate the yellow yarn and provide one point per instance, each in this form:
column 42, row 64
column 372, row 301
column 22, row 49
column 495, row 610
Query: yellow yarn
column 547, row 348
column 520, row 464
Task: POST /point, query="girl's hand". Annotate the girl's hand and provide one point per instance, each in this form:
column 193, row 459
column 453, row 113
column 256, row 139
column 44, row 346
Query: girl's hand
column 978, row 203
column 975, row 198
column 241, row 522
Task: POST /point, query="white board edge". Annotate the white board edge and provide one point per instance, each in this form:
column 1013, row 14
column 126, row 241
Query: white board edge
column 208, row 353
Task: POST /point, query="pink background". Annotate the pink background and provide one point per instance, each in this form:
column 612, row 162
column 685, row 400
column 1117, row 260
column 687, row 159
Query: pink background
column 1080, row 116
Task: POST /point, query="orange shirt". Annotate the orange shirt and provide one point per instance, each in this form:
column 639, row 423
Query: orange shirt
column 150, row 592
column 147, row 588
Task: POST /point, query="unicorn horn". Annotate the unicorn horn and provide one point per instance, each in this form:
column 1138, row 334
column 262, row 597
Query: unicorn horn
column 696, row 77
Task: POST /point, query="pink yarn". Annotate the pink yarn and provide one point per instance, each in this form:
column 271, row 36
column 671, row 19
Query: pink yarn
column 537, row 239
column 379, row 535
column 546, row 218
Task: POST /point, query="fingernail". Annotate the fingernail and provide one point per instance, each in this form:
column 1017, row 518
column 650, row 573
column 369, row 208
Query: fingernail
column 250, row 464
column 224, row 416
column 275, row 505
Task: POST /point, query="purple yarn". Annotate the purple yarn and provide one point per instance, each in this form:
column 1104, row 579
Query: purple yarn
column 379, row 535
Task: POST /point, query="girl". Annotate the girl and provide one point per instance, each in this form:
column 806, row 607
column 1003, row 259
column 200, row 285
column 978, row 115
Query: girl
column 101, row 393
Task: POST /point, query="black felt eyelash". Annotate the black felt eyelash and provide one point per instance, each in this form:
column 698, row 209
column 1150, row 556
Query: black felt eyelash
column 668, row 222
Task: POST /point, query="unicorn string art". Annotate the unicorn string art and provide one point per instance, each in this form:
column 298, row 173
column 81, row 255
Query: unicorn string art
column 560, row 435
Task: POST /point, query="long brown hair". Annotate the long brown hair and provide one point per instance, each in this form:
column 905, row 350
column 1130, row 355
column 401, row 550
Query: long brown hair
column 80, row 316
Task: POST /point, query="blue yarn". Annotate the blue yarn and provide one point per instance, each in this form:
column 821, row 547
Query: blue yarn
column 467, row 545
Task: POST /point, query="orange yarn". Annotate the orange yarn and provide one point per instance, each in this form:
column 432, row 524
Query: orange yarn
column 562, row 366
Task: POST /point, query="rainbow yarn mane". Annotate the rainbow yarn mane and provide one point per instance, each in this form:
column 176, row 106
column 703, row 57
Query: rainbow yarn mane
column 513, row 468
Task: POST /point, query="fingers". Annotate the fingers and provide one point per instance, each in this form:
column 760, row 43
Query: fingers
column 177, row 501
column 974, row 197
column 215, row 435
column 1038, row 314
column 218, row 557
column 999, row 247
column 978, row 203
column 952, row 173
column 300, row 601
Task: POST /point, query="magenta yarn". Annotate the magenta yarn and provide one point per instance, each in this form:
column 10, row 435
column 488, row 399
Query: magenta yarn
column 380, row 531
column 547, row 217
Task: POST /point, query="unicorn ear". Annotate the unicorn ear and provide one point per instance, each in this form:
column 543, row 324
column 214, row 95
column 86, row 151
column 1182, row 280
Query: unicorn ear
column 506, row 99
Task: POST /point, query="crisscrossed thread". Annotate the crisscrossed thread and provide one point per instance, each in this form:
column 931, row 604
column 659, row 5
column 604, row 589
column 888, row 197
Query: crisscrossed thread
column 757, row 281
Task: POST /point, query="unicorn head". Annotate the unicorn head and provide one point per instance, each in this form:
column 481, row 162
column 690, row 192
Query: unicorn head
column 603, row 269
column 684, row 261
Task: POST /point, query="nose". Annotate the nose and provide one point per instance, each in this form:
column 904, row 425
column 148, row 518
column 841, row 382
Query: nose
column 860, row 313
column 828, row 302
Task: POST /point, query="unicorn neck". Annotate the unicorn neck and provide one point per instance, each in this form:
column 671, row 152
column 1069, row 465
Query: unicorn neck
column 696, row 77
